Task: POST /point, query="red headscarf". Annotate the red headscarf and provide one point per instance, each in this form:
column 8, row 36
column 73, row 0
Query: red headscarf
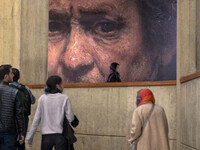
column 145, row 96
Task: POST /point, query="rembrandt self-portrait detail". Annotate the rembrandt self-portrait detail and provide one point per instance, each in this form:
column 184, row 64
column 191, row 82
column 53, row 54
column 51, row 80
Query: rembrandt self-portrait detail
column 86, row 36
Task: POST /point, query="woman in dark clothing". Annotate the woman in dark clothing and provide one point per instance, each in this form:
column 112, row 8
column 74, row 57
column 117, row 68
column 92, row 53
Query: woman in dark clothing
column 114, row 75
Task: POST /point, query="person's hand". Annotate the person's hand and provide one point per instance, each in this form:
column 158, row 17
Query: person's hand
column 20, row 139
column 75, row 122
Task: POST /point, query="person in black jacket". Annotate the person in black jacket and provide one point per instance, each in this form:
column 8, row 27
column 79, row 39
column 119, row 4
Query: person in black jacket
column 27, row 99
column 114, row 75
column 11, row 111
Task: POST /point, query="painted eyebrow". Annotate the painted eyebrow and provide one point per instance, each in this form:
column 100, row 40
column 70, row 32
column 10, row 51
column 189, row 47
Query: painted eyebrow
column 89, row 16
column 101, row 10
column 98, row 13
column 93, row 12
column 58, row 15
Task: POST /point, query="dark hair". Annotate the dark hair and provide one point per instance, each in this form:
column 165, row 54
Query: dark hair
column 4, row 70
column 51, row 83
column 16, row 73
column 158, row 22
column 113, row 66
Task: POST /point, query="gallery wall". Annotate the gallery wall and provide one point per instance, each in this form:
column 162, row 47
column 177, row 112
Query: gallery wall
column 24, row 45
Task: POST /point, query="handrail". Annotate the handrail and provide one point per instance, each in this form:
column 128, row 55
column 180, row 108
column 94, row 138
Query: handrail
column 190, row 77
column 110, row 84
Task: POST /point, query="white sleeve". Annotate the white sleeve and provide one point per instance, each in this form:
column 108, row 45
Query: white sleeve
column 68, row 111
column 35, row 123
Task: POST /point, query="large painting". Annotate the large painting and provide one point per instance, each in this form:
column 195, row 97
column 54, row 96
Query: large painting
column 86, row 36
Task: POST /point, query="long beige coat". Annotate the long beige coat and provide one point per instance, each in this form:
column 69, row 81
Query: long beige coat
column 155, row 134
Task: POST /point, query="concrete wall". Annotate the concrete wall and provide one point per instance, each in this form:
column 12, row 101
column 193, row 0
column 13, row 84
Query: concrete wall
column 10, row 29
column 190, row 110
column 105, row 115
column 188, row 105
column 198, row 33
column 186, row 41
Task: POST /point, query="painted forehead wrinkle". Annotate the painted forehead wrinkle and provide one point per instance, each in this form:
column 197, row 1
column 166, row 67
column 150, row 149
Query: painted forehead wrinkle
column 56, row 4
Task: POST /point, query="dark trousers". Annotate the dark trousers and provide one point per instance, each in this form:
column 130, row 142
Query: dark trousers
column 53, row 140
column 19, row 146
column 8, row 141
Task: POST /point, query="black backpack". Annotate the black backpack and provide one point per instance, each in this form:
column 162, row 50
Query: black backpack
column 26, row 98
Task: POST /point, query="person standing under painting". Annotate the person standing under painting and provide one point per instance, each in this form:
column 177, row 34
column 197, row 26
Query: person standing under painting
column 114, row 75
column 27, row 98
column 11, row 112
column 53, row 107
column 149, row 123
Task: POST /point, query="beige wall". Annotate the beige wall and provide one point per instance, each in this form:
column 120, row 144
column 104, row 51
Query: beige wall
column 188, row 105
column 190, row 110
column 104, row 113
column 186, row 26
column 10, row 31
column 34, row 41
column 198, row 33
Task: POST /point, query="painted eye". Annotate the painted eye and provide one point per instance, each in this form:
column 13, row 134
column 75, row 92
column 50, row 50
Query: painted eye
column 107, row 27
column 55, row 27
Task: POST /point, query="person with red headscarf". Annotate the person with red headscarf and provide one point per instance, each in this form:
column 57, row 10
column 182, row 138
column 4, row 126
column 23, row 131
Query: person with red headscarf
column 154, row 135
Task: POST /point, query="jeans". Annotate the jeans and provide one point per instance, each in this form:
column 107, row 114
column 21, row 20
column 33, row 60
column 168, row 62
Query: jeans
column 8, row 141
column 53, row 140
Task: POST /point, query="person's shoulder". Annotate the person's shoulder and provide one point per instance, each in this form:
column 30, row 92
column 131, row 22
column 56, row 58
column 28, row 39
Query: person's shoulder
column 143, row 108
column 64, row 95
column 27, row 88
column 12, row 87
column 19, row 86
column 43, row 96
column 59, row 96
column 159, row 108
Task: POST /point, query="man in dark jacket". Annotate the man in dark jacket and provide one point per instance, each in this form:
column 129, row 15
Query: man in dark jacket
column 27, row 99
column 11, row 111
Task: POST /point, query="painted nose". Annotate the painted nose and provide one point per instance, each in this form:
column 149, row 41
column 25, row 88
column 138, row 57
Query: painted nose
column 77, row 53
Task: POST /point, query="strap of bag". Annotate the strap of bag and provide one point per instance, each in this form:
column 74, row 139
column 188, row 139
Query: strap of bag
column 149, row 115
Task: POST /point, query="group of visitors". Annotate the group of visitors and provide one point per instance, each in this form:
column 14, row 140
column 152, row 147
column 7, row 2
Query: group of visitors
column 55, row 113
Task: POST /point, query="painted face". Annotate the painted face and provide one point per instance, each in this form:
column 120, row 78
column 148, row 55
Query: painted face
column 85, row 37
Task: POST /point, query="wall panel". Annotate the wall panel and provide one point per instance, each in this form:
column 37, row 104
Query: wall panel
column 10, row 18
column 187, row 30
column 105, row 114
column 190, row 121
column 34, row 34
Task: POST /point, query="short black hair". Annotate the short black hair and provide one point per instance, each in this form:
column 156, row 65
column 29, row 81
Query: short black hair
column 4, row 70
column 16, row 73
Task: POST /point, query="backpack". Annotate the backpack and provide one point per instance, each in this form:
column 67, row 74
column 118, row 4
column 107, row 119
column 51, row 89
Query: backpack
column 26, row 98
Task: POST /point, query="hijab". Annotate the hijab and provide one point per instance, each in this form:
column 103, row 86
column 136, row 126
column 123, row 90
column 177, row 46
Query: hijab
column 144, row 96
